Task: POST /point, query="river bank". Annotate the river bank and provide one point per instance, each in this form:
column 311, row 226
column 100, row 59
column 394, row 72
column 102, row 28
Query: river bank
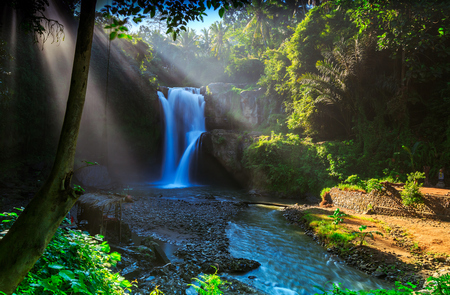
column 400, row 254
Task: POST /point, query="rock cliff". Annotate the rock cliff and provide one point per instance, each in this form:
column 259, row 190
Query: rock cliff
column 228, row 147
column 228, row 107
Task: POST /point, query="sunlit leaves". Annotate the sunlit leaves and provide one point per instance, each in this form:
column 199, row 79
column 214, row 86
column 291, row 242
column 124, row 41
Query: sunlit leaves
column 74, row 262
column 176, row 13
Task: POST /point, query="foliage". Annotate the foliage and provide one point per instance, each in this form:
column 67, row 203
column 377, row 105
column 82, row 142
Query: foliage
column 411, row 194
column 210, row 284
column 436, row 286
column 439, row 285
column 398, row 290
column 156, row 291
column 353, row 179
column 244, row 70
column 337, row 216
column 78, row 188
column 373, row 184
column 411, row 153
column 72, row 262
column 363, row 234
column 331, row 234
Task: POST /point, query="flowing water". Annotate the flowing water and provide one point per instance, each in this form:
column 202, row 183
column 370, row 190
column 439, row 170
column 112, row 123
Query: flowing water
column 184, row 122
column 291, row 263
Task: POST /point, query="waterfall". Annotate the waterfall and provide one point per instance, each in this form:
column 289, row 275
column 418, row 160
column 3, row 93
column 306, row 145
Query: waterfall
column 184, row 123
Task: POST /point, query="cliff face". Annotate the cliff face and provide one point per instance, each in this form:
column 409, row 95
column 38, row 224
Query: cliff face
column 228, row 147
column 228, row 107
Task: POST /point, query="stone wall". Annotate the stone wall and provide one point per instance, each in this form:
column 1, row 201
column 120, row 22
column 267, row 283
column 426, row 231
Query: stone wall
column 389, row 202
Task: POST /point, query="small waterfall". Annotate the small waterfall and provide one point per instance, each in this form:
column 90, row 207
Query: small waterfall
column 184, row 123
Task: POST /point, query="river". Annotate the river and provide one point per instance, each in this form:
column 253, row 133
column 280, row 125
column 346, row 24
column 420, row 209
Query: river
column 291, row 262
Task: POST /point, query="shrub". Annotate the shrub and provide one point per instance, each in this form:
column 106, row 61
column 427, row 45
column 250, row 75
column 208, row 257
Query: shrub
column 373, row 184
column 411, row 194
column 210, row 284
column 73, row 263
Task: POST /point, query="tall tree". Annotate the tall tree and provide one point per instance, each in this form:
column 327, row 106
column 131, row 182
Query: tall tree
column 259, row 22
column 205, row 43
column 188, row 42
column 27, row 239
column 29, row 236
column 219, row 40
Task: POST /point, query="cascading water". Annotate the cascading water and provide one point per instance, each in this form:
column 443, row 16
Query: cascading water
column 184, row 124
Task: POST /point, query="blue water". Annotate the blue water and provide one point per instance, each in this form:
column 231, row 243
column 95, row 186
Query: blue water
column 291, row 263
column 184, row 121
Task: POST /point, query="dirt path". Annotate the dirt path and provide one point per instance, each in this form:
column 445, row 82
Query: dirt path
column 411, row 249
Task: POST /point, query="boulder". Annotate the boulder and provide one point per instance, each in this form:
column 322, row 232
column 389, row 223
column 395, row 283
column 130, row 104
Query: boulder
column 94, row 176
column 160, row 256
column 240, row 265
column 131, row 272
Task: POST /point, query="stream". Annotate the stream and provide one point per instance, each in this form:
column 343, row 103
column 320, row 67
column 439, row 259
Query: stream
column 291, row 262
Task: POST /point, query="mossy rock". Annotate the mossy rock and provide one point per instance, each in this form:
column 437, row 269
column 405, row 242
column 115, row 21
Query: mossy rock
column 145, row 253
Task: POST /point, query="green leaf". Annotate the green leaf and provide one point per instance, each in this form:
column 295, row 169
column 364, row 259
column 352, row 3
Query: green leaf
column 153, row 12
column 67, row 275
column 56, row 266
column 112, row 36
column 221, row 12
column 125, row 284
column 105, row 247
column 115, row 256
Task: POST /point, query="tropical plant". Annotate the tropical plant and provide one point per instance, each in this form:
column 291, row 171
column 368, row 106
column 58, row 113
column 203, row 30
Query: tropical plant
column 219, row 40
column 259, row 22
column 188, row 42
column 411, row 153
column 373, row 184
column 210, row 284
column 205, row 41
column 337, row 216
column 335, row 90
column 363, row 234
column 73, row 262
column 411, row 194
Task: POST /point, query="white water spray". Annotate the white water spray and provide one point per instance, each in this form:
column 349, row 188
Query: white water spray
column 184, row 124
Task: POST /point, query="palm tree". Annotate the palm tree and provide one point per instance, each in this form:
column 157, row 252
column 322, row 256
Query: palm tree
column 260, row 22
column 337, row 86
column 219, row 40
column 205, row 44
column 188, row 43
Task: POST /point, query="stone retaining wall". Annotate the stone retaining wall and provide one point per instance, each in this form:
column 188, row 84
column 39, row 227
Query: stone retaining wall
column 389, row 202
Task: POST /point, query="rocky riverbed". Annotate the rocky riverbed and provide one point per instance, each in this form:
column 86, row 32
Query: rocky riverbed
column 197, row 228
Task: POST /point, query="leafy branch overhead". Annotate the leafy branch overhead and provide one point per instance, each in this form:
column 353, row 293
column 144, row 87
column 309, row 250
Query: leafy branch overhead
column 177, row 14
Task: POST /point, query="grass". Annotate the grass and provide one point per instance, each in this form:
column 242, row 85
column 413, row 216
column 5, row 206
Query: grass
column 331, row 234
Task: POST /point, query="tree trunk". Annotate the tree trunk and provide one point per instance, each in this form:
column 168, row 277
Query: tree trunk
column 29, row 236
